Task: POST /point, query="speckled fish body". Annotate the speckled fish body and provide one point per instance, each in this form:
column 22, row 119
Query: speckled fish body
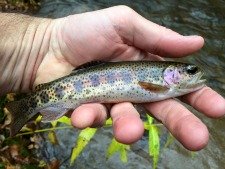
column 137, row 82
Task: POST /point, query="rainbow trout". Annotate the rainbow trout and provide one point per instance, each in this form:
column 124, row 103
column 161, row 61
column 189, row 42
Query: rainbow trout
column 111, row 82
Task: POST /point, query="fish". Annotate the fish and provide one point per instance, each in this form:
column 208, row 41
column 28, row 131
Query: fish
column 105, row 82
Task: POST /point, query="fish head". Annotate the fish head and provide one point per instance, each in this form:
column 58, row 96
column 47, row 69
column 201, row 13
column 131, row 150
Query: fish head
column 183, row 78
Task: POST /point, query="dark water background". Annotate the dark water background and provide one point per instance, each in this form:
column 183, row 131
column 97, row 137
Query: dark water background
column 205, row 18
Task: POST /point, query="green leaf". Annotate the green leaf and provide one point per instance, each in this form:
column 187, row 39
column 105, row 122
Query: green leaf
column 115, row 147
column 63, row 119
column 42, row 164
column 52, row 137
column 150, row 120
column 169, row 140
column 83, row 139
column 108, row 122
column 38, row 119
column 154, row 144
column 2, row 166
column 54, row 123
column 193, row 154
column 123, row 154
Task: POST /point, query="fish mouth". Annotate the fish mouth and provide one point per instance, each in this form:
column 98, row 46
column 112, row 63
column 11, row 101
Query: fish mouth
column 197, row 80
column 195, row 83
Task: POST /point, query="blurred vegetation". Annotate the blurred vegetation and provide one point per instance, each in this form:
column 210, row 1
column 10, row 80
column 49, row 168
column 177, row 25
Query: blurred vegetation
column 19, row 151
column 15, row 152
column 22, row 6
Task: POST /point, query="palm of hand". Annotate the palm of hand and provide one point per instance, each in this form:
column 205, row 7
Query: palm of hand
column 121, row 34
column 83, row 38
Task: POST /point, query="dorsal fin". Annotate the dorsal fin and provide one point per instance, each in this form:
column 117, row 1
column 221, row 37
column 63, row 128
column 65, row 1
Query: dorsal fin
column 88, row 65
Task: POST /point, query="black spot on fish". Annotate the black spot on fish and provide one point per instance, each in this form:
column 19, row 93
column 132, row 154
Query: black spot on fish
column 33, row 103
column 95, row 81
column 110, row 77
column 44, row 97
column 70, row 97
column 127, row 78
column 157, row 78
column 88, row 91
column 59, row 92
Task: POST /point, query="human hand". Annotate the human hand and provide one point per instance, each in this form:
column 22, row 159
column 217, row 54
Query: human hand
column 119, row 33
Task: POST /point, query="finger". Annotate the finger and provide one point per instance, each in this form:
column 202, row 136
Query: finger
column 153, row 57
column 159, row 40
column 206, row 101
column 127, row 125
column 184, row 126
column 146, row 35
column 143, row 55
column 137, row 55
column 89, row 115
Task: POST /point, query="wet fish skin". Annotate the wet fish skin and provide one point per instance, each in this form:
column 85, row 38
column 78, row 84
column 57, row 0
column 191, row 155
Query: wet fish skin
column 112, row 82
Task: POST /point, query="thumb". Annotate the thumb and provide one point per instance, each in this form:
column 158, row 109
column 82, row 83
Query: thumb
column 146, row 35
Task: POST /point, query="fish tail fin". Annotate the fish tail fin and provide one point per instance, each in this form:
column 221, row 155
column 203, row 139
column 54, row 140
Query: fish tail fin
column 16, row 116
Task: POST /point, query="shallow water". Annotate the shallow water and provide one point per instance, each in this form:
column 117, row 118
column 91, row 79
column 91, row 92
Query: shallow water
column 206, row 18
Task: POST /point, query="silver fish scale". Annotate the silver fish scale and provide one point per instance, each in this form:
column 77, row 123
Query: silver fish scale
column 103, row 84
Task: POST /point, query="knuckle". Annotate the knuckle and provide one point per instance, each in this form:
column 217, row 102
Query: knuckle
column 126, row 9
column 196, row 100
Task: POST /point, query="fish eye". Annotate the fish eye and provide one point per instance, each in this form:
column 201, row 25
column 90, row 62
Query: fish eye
column 191, row 69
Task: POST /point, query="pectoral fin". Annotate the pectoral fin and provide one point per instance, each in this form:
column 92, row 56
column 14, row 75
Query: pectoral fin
column 153, row 87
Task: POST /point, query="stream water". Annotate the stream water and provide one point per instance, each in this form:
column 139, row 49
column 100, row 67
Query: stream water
column 202, row 17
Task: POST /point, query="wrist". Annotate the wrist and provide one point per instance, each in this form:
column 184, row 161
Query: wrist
column 24, row 42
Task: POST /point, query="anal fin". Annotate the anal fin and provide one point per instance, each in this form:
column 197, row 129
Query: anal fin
column 52, row 113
